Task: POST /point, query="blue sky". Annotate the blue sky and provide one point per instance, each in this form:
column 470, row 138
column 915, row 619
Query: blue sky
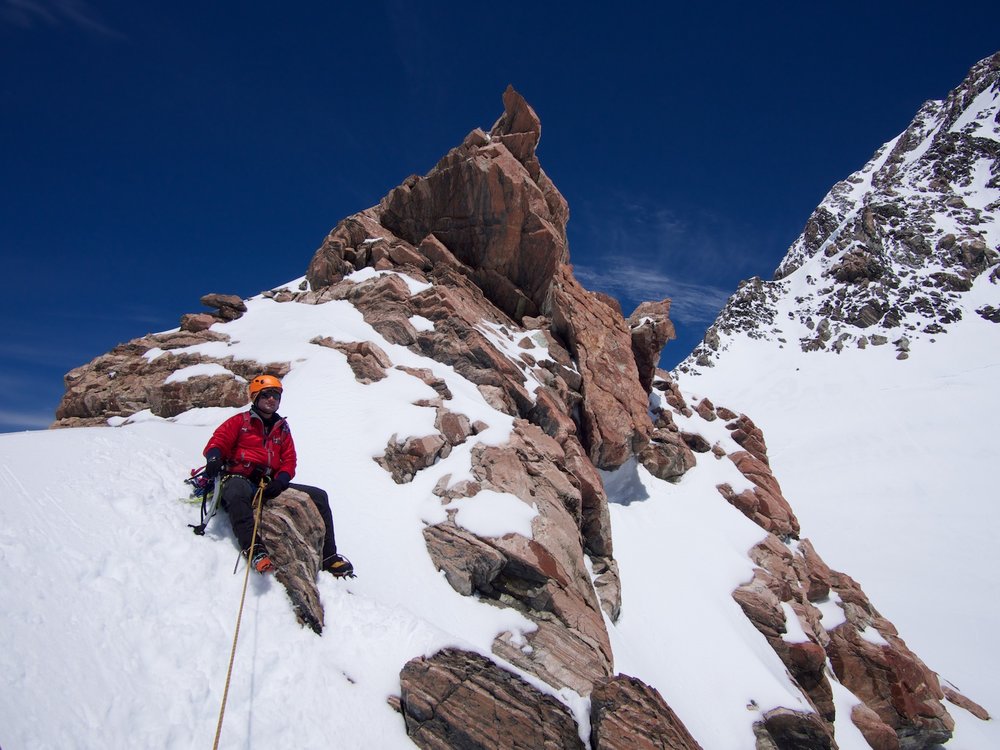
column 154, row 152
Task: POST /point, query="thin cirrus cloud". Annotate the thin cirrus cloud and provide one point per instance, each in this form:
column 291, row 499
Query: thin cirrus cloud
column 29, row 14
column 689, row 301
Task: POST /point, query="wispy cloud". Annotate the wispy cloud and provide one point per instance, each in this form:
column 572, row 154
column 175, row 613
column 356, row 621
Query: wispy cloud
column 636, row 250
column 689, row 302
column 29, row 14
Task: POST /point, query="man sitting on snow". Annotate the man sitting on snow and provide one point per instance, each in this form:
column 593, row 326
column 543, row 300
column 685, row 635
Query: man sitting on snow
column 251, row 446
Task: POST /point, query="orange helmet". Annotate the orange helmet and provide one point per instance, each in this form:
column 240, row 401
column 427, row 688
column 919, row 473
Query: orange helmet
column 262, row 382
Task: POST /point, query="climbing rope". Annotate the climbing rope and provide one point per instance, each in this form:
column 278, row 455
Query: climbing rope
column 258, row 506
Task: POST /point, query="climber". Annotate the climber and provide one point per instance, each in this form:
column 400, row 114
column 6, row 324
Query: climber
column 256, row 445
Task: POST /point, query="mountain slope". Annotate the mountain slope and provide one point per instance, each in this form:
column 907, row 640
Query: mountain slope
column 886, row 452
column 893, row 252
column 124, row 618
column 511, row 477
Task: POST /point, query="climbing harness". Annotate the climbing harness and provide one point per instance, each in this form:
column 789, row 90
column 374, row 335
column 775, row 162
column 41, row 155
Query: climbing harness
column 258, row 507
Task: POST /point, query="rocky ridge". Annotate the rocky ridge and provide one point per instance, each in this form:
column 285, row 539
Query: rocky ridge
column 892, row 251
column 468, row 266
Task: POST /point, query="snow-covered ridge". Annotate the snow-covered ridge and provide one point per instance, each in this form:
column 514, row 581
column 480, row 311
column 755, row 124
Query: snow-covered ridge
column 460, row 419
column 896, row 253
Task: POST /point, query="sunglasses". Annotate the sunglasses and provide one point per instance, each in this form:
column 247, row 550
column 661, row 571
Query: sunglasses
column 271, row 393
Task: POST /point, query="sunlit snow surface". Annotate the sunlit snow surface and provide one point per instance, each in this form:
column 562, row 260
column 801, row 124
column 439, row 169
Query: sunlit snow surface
column 116, row 622
column 891, row 468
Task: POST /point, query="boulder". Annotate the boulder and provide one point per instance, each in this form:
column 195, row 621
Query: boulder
column 367, row 360
column 651, row 329
column 292, row 529
column 764, row 504
column 628, row 714
column 458, row 699
column 785, row 729
column 227, row 306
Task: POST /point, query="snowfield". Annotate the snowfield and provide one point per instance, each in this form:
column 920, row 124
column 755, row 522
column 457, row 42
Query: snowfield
column 117, row 621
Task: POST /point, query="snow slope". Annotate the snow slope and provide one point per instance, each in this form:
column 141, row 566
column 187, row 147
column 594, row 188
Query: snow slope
column 890, row 466
column 117, row 622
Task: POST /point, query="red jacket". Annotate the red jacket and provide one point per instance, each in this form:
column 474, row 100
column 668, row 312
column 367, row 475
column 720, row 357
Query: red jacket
column 245, row 447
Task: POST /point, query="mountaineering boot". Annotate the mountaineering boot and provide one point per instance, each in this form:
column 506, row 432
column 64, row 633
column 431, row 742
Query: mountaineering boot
column 262, row 562
column 340, row 567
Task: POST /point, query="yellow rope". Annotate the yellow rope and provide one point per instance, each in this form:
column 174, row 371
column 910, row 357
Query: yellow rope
column 258, row 509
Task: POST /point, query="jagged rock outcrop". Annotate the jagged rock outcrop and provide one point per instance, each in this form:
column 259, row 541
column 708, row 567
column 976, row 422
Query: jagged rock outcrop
column 489, row 228
column 457, row 699
column 543, row 576
column 892, row 250
column 292, row 530
column 626, row 713
column 813, row 616
column 146, row 373
column 793, row 591
column 468, row 266
column 651, row 329
column 784, row 729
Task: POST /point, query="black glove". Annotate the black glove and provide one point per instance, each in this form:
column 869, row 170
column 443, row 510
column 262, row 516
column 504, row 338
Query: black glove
column 277, row 485
column 213, row 465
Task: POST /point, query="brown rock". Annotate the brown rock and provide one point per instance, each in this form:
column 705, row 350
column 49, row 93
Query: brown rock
column 469, row 564
column 124, row 381
column 595, row 520
column 455, row 428
column 366, row 360
column 706, row 410
column 956, row 698
column 749, row 436
column 457, row 699
column 893, row 682
column 764, row 505
column 615, row 423
column 667, row 456
column 878, row 734
column 403, row 459
column 626, row 713
column 228, row 306
column 435, row 251
column 491, row 208
column 292, row 529
column 608, row 585
column 170, row 399
column 726, row 414
column 550, row 413
column 346, row 249
column 544, row 577
column 695, row 442
column 651, row 329
column 784, row 729
column 197, row 322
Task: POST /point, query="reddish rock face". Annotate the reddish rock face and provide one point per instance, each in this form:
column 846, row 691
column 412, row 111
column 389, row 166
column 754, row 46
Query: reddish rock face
column 486, row 229
column 902, row 696
column 615, row 423
column 489, row 228
column 292, row 529
column 487, row 204
column 764, row 504
column 124, row 381
column 627, row 714
column 460, row 699
column 651, row 329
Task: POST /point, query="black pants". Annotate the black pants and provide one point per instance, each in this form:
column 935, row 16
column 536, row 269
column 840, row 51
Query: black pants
column 237, row 498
